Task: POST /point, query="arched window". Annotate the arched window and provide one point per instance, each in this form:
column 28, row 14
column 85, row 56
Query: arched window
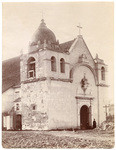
column 53, row 63
column 103, row 73
column 31, row 67
column 62, row 65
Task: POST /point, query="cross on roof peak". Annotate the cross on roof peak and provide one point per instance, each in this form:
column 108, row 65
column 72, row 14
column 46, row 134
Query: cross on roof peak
column 79, row 26
column 42, row 14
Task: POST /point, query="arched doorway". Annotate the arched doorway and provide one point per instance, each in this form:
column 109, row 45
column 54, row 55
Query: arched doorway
column 84, row 117
column 18, row 122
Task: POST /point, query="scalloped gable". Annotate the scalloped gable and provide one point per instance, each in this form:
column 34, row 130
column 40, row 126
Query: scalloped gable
column 78, row 48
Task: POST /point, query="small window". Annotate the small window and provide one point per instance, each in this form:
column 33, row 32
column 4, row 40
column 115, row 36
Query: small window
column 103, row 73
column 62, row 65
column 53, row 63
column 71, row 74
column 31, row 67
column 31, row 74
column 17, row 106
column 33, row 107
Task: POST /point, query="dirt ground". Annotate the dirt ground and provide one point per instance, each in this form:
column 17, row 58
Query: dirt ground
column 58, row 139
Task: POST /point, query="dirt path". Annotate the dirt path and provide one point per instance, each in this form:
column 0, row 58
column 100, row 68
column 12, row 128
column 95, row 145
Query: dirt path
column 57, row 139
column 88, row 135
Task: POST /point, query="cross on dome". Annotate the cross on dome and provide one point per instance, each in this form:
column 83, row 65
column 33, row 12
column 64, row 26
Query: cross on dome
column 42, row 14
column 79, row 26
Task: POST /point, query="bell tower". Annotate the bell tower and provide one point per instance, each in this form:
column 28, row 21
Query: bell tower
column 101, row 69
column 102, row 87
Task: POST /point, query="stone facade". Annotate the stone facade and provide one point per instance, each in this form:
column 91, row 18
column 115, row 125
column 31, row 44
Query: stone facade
column 56, row 99
column 59, row 96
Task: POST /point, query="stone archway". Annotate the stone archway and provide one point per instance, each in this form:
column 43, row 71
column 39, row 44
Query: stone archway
column 84, row 117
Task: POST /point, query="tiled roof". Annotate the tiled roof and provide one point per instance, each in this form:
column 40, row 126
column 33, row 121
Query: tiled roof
column 10, row 73
column 66, row 46
column 61, row 48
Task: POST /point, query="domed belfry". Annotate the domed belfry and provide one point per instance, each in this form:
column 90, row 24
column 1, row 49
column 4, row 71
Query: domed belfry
column 43, row 38
column 61, row 85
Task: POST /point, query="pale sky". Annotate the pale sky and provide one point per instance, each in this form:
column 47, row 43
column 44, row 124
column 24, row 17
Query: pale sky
column 21, row 20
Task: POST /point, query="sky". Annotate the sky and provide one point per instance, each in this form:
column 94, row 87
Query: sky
column 21, row 20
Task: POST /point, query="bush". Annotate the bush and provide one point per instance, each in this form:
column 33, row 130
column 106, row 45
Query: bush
column 110, row 118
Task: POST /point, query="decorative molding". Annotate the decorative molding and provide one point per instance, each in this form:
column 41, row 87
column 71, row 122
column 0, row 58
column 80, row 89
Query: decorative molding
column 83, row 59
column 47, row 59
column 101, row 63
column 103, row 85
column 34, row 80
column 84, row 84
column 67, row 63
column 35, row 51
column 84, row 98
column 60, row 79
column 88, row 66
column 56, row 79
column 16, row 86
column 45, row 78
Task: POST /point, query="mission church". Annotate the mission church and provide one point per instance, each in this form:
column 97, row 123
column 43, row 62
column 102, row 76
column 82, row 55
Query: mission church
column 53, row 86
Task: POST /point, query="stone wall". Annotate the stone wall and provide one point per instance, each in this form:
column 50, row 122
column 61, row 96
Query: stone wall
column 58, row 56
column 61, row 106
column 91, row 91
column 7, row 100
column 39, row 65
column 54, row 94
column 64, row 109
column 34, row 94
column 103, row 100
